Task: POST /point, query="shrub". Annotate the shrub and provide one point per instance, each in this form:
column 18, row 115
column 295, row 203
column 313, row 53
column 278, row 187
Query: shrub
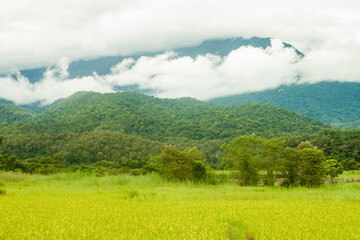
column 188, row 165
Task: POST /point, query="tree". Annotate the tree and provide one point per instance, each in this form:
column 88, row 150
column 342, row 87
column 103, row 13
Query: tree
column 291, row 166
column 350, row 164
column 243, row 155
column 333, row 168
column 10, row 163
column 271, row 151
column 312, row 167
column 184, row 165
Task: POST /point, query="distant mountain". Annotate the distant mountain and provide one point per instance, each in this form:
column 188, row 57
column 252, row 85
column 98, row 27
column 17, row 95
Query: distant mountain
column 331, row 102
column 185, row 122
column 103, row 65
column 10, row 114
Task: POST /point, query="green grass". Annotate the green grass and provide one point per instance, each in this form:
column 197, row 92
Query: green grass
column 75, row 206
column 353, row 174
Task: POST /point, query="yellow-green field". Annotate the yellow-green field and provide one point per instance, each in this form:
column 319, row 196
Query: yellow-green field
column 145, row 207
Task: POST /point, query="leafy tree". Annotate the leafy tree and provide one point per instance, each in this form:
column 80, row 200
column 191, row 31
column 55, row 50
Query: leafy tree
column 243, row 155
column 272, row 150
column 350, row 164
column 182, row 165
column 10, row 163
column 312, row 167
column 291, row 166
column 333, row 168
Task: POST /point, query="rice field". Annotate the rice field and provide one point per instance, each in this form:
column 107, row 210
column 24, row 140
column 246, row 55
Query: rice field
column 75, row 206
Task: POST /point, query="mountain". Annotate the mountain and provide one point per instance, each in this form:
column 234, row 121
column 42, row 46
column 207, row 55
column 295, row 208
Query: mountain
column 10, row 114
column 76, row 126
column 332, row 102
column 103, row 65
column 158, row 119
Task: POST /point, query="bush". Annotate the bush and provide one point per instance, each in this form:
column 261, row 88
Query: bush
column 214, row 178
column 188, row 165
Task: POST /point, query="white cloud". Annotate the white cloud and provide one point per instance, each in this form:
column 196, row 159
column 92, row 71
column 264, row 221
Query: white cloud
column 243, row 70
column 36, row 33
column 54, row 85
column 39, row 32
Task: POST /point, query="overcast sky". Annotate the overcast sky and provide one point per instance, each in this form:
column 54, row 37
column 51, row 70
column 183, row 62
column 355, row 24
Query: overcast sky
column 35, row 33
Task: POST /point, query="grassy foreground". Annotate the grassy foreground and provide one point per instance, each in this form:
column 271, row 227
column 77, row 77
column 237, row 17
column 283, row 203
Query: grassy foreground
column 75, row 206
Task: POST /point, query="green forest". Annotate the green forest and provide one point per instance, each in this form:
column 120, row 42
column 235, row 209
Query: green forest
column 332, row 102
column 130, row 133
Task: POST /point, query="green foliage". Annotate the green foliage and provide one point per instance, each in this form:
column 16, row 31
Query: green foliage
column 323, row 101
column 350, row 164
column 312, row 167
column 89, row 127
column 272, row 149
column 341, row 145
column 243, row 156
column 10, row 163
column 333, row 168
column 291, row 167
column 10, row 114
column 303, row 165
column 187, row 165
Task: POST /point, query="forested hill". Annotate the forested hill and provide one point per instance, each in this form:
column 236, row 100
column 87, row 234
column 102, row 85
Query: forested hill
column 88, row 127
column 10, row 114
column 159, row 119
column 331, row 102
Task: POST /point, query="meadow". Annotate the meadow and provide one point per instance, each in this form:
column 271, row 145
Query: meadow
column 78, row 206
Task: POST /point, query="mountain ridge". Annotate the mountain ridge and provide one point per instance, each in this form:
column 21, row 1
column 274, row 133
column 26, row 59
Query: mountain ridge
column 331, row 102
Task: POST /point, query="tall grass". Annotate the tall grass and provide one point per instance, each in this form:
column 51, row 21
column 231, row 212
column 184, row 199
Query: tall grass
column 78, row 206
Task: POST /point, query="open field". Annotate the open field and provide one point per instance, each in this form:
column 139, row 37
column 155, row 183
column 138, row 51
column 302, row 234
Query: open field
column 74, row 206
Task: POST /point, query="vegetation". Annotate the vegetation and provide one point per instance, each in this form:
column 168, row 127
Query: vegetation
column 304, row 165
column 76, row 206
column 10, row 114
column 188, row 165
column 343, row 146
column 323, row 101
column 88, row 127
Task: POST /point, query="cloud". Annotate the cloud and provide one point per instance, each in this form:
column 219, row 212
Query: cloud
column 54, row 85
column 39, row 32
column 243, row 70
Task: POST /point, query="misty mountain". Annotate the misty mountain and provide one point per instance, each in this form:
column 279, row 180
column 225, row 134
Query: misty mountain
column 331, row 102
column 101, row 66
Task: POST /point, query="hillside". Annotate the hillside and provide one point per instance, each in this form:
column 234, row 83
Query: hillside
column 10, row 114
column 99, row 119
column 158, row 119
column 331, row 102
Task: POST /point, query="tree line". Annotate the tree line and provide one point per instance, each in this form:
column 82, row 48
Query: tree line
column 254, row 160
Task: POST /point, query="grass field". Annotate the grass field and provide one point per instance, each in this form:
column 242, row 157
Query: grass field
column 74, row 206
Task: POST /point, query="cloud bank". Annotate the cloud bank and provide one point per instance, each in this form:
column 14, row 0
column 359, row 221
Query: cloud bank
column 245, row 69
column 35, row 33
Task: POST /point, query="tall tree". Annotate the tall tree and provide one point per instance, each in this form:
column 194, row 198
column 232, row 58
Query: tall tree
column 313, row 171
column 243, row 154
column 272, row 150
column 184, row 165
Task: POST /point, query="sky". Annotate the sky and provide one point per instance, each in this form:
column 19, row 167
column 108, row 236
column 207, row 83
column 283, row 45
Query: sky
column 37, row 33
